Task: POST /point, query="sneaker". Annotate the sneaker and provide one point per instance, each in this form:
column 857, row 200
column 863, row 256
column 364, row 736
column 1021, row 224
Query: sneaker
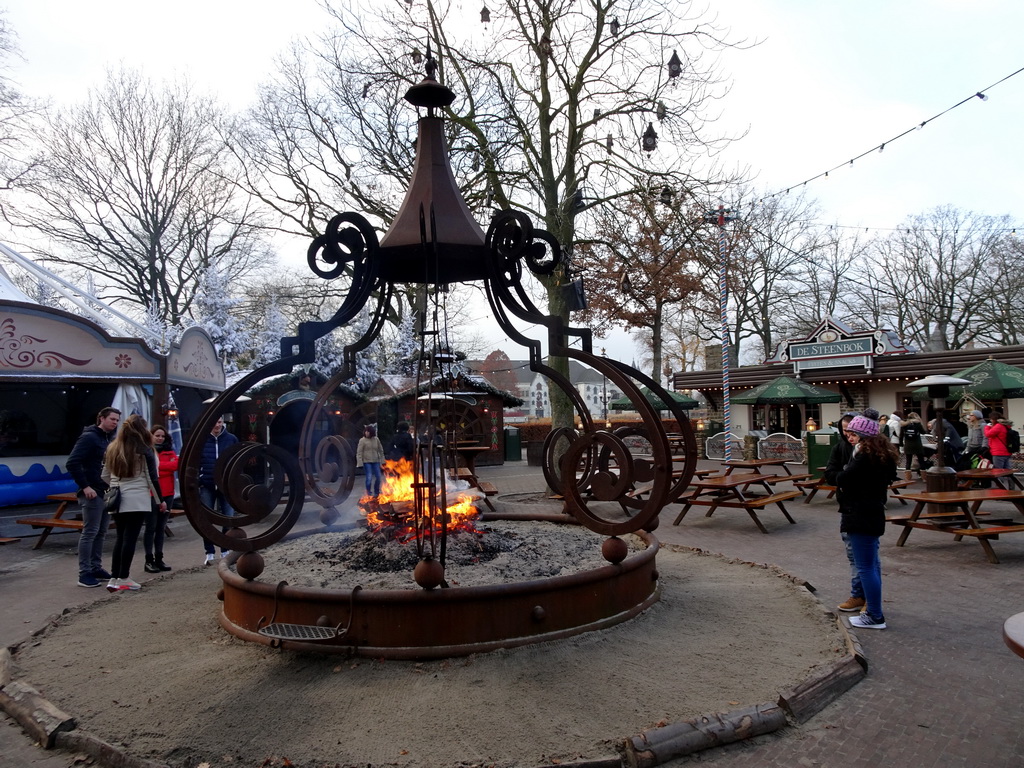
column 865, row 621
column 88, row 580
column 101, row 573
column 113, row 585
column 853, row 604
column 151, row 567
column 129, row 584
column 162, row 566
column 209, row 558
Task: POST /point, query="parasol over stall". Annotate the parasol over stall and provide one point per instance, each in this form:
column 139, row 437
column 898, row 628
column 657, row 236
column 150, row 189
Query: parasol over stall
column 990, row 380
column 683, row 401
column 786, row 391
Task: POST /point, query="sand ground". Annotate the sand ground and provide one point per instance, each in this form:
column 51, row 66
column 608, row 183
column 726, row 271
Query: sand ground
column 169, row 684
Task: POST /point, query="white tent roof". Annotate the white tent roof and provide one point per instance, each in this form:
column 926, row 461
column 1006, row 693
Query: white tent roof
column 9, row 291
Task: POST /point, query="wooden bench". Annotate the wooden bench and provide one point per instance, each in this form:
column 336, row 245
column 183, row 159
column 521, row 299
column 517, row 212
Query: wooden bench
column 58, row 521
column 750, row 504
column 488, row 488
column 992, row 532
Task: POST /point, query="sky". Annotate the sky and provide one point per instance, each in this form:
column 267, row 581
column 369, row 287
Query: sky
column 817, row 83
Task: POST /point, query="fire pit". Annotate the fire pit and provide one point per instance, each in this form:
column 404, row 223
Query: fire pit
column 413, row 623
column 607, row 488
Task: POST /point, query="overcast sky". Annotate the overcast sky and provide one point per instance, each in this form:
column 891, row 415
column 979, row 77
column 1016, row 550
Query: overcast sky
column 827, row 81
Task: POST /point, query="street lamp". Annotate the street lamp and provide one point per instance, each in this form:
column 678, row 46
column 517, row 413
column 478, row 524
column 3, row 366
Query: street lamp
column 939, row 477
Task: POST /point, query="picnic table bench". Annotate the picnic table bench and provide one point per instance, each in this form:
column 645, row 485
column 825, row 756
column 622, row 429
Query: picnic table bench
column 729, row 491
column 960, row 508
column 820, row 485
column 59, row 521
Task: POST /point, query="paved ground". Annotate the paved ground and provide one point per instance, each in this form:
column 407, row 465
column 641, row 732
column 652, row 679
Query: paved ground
column 942, row 689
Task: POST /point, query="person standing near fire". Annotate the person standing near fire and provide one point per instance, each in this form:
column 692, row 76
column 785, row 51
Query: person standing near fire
column 370, row 456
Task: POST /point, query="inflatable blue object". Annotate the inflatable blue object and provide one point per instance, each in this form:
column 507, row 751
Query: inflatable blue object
column 35, row 483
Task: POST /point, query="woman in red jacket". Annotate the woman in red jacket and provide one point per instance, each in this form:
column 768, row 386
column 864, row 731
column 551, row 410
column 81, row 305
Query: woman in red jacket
column 995, row 434
column 156, row 521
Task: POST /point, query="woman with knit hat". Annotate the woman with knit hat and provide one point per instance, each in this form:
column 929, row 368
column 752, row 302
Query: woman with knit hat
column 863, row 487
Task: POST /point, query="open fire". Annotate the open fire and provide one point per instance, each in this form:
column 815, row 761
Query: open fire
column 394, row 511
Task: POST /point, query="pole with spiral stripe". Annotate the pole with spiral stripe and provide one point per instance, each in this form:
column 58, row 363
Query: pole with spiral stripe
column 721, row 217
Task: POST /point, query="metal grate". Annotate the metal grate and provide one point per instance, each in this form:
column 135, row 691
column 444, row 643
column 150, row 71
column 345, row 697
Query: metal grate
column 299, row 632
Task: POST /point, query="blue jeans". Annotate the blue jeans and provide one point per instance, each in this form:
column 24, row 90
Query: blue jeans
column 856, row 589
column 869, row 570
column 1000, row 462
column 216, row 501
column 94, row 528
column 373, row 478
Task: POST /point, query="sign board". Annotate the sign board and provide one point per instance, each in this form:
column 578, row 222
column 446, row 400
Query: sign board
column 781, row 446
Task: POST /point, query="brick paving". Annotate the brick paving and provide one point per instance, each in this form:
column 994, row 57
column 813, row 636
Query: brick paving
column 942, row 688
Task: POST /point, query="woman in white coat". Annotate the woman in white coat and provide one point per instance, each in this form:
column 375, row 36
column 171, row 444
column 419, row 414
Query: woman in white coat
column 131, row 466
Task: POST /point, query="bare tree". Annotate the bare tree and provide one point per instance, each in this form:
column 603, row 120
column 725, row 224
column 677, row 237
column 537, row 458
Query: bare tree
column 646, row 259
column 553, row 100
column 17, row 116
column 134, row 187
column 934, row 276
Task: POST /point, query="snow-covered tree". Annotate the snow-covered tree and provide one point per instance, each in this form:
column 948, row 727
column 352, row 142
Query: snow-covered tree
column 216, row 314
column 267, row 347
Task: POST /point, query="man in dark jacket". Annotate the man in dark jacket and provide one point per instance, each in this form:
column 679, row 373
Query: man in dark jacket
column 85, row 464
column 841, row 453
column 402, row 445
column 218, row 441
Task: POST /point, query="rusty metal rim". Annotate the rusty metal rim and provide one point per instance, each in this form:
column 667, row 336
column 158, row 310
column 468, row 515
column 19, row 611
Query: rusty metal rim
column 440, row 651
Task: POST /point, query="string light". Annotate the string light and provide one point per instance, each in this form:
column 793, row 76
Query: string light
column 879, row 147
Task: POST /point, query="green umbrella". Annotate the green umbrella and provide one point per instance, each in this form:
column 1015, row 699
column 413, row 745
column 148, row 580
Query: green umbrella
column 992, row 379
column 786, row 391
column 625, row 404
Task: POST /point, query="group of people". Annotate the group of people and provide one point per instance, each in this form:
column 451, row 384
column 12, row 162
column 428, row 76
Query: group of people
column 141, row 462
column 862, row 466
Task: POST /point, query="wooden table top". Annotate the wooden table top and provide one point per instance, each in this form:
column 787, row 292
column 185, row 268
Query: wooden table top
column 1013, row 634
column 753, row 463
column 960, row 497
column 984, row 474
column 727, row 481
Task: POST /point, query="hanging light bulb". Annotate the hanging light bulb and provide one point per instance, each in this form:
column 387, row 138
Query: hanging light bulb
column 650, row 139
column 675, row 66
column 981, row 96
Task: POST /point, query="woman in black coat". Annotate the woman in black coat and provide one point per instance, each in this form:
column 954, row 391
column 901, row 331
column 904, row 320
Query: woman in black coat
column 863, row 487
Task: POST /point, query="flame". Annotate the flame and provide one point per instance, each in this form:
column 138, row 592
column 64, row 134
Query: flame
column 394, row 506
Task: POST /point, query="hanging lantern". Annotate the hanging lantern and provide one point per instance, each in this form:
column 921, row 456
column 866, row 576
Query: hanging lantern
column 666, row 196
column 675, row 66
column 597, row 114
column 624, row 285
column 577, row 200
column 485, row 16
column 614, row 27
column 662, row 111
column 417, row 57
column 609, row 142
column 650, row 139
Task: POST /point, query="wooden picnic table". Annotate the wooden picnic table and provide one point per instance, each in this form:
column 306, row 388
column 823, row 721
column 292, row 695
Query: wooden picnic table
column 468, row 452
column 59, row 521
column 967, row 477
column 956, row 515
column 754, row 464
column 1013, row 634
column 729, row 491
